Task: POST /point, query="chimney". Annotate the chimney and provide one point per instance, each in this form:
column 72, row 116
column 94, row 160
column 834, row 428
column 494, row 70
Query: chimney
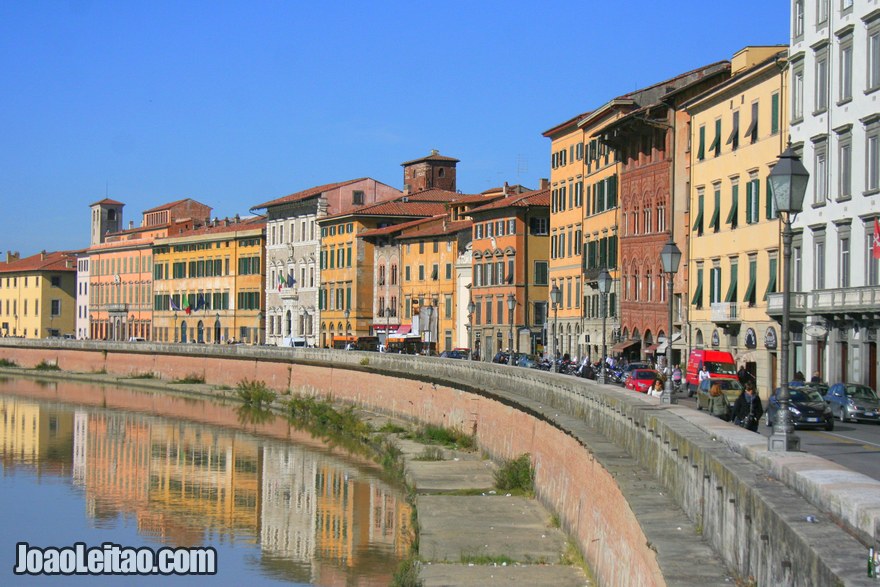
column 545, row 183
column 434, row 152
column 43, row 255
column 130, row 224
column 237, row 218
column 504, row 189
column 10, row 256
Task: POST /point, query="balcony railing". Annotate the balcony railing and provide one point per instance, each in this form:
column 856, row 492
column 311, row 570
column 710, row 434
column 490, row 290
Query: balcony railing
column 725, row 312
column 828, row 301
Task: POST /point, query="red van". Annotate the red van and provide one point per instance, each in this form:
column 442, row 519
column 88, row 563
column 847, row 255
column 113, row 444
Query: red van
column 720, row 365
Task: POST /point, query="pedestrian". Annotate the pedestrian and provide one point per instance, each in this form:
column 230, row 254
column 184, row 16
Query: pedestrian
column 676, row 377
column 816, row 378
column 718, row 405
column 748, row 409
column 657, row 389
column 799, row 376
column 704, row 373
column 742, row 375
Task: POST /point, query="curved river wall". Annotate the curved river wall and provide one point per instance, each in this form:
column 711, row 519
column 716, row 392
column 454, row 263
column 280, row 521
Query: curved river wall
column 747, row 504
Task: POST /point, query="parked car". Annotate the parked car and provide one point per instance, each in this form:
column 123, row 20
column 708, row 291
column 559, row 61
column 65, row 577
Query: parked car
column 853, row 401
column 806, row 407
column 627, row 370
column 731, row 388
column 719, row 364
column 641, row 380
column 453, row 354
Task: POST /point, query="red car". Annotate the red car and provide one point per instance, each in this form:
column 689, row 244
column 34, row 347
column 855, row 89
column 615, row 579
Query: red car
column 641, row 380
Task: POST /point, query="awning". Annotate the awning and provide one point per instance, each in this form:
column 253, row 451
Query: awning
column 661, row 350
column 404, row 329
column 622, row 346
column 653, row 348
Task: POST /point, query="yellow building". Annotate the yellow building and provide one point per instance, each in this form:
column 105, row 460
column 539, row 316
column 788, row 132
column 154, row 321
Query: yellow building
column 35, row 434
column 568, row 167
column 38, row 295
column 209, row 283
column 347, row 261
column 738, row 130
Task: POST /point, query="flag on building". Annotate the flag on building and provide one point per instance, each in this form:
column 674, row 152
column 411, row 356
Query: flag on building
column 187, row 307
column 174, row 306
column 875, row 244
column 201, row 304
column 290, row 280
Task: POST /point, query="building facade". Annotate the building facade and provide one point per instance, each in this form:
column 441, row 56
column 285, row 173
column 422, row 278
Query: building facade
column 293, row 242
column 734, row 240
column 208, row 283
column 835, row 126
column 38, row 295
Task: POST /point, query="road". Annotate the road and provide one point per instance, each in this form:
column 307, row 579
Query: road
column 856, row 446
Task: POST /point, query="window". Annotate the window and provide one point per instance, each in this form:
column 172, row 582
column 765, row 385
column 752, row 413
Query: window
column 661, row 218
column 715, row 284
column 771, row 273
column 449, row 271
column 872, row 156
column 774, row 113
column 421, row 273
column 489, row 311
column 797, row 93
column 820, row 172
column 844, row 90
column 734, row 275
column 539, row 226
column 698, row 223
column 751, row 297
column 701, row 150
column 357, row 197
column 697, row 300
column 874, row 56
column 716, row 142
column 733, row 215
column 872, row 273
column 752, row 131
column 406, row 273
column 753, row 199
column 798, row 18
column 715, row 223
column 843, row 260
column 821, row 11
column 821, row 90
column 844, row 165
column 819, row 262
column 733, row 139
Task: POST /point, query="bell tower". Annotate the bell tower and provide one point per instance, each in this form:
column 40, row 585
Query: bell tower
column 106, row 217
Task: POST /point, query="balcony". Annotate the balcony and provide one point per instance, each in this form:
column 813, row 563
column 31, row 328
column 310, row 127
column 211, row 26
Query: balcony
column 851, row 300
column 725, row 312
column 290, row 293
column 116, row 308
column 799, row 301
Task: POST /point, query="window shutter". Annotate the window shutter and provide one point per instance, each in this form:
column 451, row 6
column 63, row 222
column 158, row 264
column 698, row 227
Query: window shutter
column 770, row 204
column 774, row 114
column 748, row 202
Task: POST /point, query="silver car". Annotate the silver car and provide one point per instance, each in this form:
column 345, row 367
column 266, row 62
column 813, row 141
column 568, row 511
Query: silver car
column 851, row 401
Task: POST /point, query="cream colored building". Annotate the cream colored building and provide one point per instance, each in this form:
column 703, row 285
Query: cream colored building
column 738, row 130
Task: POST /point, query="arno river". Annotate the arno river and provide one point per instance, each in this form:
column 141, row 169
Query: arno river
column 94, row 464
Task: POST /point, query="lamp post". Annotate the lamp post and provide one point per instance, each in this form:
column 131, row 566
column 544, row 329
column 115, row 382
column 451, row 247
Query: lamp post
column 429, row 311
column 175, row 326
column 788, row 182
column 346, row 314
column 670, row 257
column 217, row 328
column 511, row 306
column 259, row 321
column 556, row 299
column 471, row 308
column 131, row 325
column 387, row 324
column 604, row 281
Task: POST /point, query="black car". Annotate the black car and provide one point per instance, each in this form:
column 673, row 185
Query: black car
column 806, row 408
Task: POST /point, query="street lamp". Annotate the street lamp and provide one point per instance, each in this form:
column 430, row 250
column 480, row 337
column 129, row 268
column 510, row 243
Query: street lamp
column 788, row 182
column 471, row 308
column 387, row 324
column 511, row 306
column 346, row 313
column 429, row 311
column 131, row 325
column 556, row 299
column 604, row 281
column 217, row 328
column 670, row 257
column 175, row 326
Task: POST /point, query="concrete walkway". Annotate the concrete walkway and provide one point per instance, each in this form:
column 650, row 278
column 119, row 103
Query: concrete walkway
column 472, row 534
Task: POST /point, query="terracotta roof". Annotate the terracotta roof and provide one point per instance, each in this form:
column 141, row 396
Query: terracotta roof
column 306, row 194
column 533, row 198
column 107, row 201
column 54, row 261
column 250, row 223
column 559, row 127
column 436, row 227
column 433, row 195
column 485, row 198
column 434, row 156
column 386, row 230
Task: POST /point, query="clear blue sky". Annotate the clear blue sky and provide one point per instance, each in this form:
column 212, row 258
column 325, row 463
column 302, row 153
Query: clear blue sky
column 236, row 103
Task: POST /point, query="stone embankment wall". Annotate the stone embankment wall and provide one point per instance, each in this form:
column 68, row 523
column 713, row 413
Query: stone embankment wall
column 751, row 506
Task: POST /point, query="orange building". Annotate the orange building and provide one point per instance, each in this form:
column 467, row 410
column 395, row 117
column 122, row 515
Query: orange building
column 114, row 296
column 511, row 265
column 209, row 283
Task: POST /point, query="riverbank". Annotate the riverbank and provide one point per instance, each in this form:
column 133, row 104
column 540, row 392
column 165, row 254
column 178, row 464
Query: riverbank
column 469, row 531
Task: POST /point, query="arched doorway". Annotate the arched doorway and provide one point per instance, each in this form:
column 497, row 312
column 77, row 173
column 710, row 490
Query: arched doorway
column 216, row 331
column 200, row 329
column 288, row 324
column 183, row 331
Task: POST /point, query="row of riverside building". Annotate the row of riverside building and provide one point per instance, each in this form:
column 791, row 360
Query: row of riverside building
column 686, row 159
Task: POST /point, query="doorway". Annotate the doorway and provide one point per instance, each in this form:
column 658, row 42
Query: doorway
column 844, row 361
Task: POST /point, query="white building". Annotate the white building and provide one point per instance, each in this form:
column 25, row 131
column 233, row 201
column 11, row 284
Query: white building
column 835, row 124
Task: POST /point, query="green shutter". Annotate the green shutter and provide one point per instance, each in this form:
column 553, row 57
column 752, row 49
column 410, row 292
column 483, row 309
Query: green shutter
column 711, row 285
column 732, row 219
column 601, row 196
column 774, row 114
column 612, row 191
column 698, row 223
column 698, row 292
column 771, row 283
column 769, row 205
column 716, row 142
column 731, row 291
column 750, row 291
column 716, row 215
column 701, row 151
column 756, row 193
column 748, row 202
column 612, row 252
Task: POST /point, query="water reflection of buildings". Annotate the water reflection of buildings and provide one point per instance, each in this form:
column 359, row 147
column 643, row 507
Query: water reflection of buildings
column 316, row 518
column 36, row 435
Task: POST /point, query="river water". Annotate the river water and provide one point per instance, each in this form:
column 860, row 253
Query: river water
column 97, row 464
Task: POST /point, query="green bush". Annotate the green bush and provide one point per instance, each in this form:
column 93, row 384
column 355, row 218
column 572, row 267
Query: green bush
column 448, row 437
column 44, row 366
column 8, row 363
column 147, row 375
column 255, row 393
column 430, row 453
column 191, row 378
column 516, row 475
column 407, row 574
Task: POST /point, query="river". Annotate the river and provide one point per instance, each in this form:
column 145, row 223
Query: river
column 101, row 464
